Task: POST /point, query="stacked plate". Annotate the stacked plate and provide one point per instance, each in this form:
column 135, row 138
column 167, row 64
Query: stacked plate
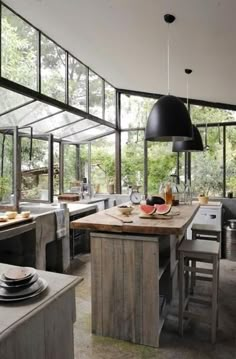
column 20, row 283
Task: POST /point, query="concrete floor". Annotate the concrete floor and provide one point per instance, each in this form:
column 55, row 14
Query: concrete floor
column 194, row 344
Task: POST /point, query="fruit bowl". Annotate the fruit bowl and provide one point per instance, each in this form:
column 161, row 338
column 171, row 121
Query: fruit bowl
column 11, row 214
column 125, row 210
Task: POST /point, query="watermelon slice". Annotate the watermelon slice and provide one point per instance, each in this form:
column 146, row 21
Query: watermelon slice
column 145, row 208
column 162, row 208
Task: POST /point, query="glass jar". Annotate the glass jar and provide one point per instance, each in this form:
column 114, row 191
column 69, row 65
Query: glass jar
column 188, row 194
column 168, row 193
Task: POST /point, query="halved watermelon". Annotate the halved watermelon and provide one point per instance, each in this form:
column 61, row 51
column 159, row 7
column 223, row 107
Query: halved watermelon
column 145, row 208
column 162, row 208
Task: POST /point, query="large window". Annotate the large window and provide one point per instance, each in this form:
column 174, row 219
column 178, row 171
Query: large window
column 103, row 164
column 135, row 110
column 53, row 59
column 110, row 103
column 78, row 74
column 95, row 95
column 231, row 159
column 19, row 50
column 207, row 166
column 70, row 167
column 132, row 160
column 34, row 169
column 6, row 169
column 161, row 164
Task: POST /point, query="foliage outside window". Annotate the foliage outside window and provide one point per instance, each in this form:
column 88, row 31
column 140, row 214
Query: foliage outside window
column 19, row 50
column 161, row 164
column 70, row 166
column 231, row 160
column 95, row 95
column 34, row 171
column 204, row 114
column 53, row 59
column 207, row 167
column 135, row 110
column 84, row 161
column 103, row 164
column 132, row 160
column 77, row 84
column 56, row 165
column 6, row 169
column 110, row 103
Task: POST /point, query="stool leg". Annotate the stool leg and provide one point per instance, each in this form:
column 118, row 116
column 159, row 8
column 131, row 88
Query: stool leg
column 181, row 293
column 214, row 300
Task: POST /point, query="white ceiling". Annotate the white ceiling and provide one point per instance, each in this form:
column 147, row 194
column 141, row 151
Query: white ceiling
column 125, row 41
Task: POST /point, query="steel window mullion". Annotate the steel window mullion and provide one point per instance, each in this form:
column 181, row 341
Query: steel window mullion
column 65, row 125
column 89, row 165
column 50, row 168
column 145, row 165
column 42, row 118
column 16, row 168
column 39, row 62
column 16, row 108
column 224, row 161
column 75, row 133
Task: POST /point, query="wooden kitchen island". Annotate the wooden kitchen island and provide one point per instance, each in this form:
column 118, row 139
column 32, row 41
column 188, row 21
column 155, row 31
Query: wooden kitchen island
column 133, row 271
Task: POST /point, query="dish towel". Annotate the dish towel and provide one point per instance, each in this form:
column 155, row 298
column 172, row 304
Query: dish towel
column 61, row 223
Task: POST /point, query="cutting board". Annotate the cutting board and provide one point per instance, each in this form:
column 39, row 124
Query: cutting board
column 156, row 216
column 17, row 220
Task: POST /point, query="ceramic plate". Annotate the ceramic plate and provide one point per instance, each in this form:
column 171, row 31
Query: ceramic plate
column 15, row 285
column 43, row 286
column 19, row 273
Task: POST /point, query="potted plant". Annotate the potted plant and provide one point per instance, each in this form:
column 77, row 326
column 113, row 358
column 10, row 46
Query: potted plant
column 203, row 196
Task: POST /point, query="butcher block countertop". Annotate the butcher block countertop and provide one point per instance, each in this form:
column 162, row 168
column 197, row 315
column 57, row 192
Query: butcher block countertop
column 170, row 224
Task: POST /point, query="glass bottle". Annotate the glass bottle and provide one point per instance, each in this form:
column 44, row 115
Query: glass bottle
column 175, row 190
column 188, row 193
column 168, row 193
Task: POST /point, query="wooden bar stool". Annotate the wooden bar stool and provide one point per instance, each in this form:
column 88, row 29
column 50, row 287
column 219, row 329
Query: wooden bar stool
column 198, row 251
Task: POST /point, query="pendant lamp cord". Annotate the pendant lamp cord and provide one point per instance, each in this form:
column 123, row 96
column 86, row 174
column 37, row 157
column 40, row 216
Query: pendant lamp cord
column 168, row 60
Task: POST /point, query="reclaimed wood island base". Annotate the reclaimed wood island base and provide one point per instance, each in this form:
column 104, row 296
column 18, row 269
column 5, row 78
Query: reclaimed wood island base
column 133, row 268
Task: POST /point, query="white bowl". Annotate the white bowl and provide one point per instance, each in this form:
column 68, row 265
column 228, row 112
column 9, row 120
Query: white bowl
column 126, row 210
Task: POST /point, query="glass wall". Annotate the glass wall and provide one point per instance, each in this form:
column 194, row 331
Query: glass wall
column 95, row 94
column 132, row 160
column 6, row 169
column 135, row 110
column 19, row 50
column 70, row 167
column 161, row 164
column 34, row 170
column 78, row 74
column 110, row 103
column 103, row 164
column 53, row 62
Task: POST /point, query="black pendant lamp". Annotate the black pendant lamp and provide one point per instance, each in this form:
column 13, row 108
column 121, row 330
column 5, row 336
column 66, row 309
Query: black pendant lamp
column 169, row 119
column 195, row 144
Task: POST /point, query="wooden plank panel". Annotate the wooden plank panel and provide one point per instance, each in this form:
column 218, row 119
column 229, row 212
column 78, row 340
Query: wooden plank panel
column 150, row 294
column 108, row 287
column 96, row 284
column 7, row 347
column 129, row 289
column 138, row 293
column 58, row 326
column 118, row 289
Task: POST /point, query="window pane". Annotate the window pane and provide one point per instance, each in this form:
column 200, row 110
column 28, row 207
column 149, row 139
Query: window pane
column 84, row 160
column 77, row 84
column 74, row 128
column 56, row 164
column 203, row 114
column 132, row 159
column 95, row 94
column 90, row 134
column 6, row 169
column 110, row 103
column 231, row 160
column 135, row 110
column 19, row 50
column 161, row 164
column 207, row 166
column 28, row 114
column 34, row 172
column 10, row 100
column 53, row 60
column 103, row 164
column 70, row 167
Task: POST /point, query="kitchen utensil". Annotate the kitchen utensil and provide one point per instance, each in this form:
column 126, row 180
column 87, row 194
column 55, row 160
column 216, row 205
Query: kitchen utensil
column 126, row 210
column 120, row 219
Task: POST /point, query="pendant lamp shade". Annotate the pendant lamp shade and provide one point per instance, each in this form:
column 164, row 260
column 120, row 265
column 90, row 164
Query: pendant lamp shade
column 169, row 120
column 193, row 145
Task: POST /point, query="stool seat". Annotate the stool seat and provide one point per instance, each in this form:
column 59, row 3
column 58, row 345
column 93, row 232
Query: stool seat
column 200, row 246
column 205, row 227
